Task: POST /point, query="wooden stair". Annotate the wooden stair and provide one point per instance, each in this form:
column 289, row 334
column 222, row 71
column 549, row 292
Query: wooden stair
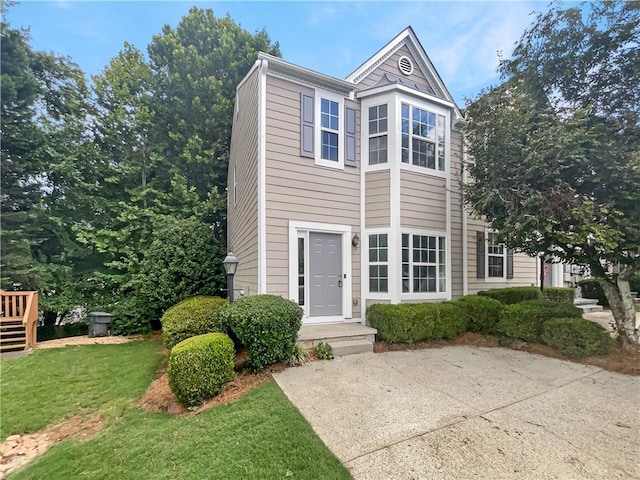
column 18, row 320
column 13, row 335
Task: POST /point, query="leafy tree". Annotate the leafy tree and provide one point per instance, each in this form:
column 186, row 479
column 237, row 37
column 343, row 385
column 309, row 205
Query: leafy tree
column 44, row 108
column 556, row 147
column 197, row 66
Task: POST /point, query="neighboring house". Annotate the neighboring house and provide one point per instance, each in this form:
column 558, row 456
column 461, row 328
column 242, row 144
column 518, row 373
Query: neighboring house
column 345, row 193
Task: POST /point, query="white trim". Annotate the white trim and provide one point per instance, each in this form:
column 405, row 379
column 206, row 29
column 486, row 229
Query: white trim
column 395, row 207
column 310, row 77
column 295, row 227
column 363, row 264
column 262, row 182
column 255, row 65
column 428, row 295
column 448, row 221
column 319, row 96
column 405, row 90
column 364, row 259
column 465, row 228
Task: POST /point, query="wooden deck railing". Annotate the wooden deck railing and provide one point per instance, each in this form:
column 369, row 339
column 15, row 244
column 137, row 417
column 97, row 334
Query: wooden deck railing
column 21, row 306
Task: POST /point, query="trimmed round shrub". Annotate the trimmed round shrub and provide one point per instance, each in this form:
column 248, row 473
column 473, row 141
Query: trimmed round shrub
column 199, row 366
column 576, row 337
column 559, row 294
column 267, row 325
column 512, row 295
column 191, row 317
column 417, row 322
column 522, row 322
column 483, row 313
column 591, row 288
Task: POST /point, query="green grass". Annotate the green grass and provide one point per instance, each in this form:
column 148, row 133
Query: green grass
column 637, row 307
column 49, row 385
column 261, row 436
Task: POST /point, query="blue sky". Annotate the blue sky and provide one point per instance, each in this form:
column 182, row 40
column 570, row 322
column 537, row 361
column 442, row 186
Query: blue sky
column 461, row 38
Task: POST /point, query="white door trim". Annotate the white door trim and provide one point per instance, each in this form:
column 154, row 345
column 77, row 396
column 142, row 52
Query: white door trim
column 295, row 228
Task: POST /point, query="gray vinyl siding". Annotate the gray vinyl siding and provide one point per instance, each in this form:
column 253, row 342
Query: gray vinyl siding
column 456, row 215
column 524, row 267
column 299, row 190
column 377, row 199
column 242, row 220
column 390, row 66
column 422, row 201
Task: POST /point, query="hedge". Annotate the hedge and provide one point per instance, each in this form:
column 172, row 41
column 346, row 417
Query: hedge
column 512, row 295
column 576, row 337
column 199, row 366
column 416, row 322
column 559, row 294
column 556, row 309
column 483, row 313
column 191, row 317
column 267, row 325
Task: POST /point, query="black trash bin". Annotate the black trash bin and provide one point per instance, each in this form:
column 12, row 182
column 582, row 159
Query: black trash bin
column 99, row 324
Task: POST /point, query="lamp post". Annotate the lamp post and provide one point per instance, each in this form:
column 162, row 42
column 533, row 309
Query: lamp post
column 230, row 266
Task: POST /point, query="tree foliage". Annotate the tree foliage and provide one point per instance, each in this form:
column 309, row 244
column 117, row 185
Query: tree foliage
column 556, row 147
column 93, row 174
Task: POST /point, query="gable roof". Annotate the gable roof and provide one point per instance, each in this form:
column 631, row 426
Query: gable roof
column 406, row 37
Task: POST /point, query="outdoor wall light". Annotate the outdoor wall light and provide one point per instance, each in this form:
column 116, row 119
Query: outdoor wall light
column 230, row 263
column 355, row 241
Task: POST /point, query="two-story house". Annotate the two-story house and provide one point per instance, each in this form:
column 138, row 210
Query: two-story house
column 345, row 193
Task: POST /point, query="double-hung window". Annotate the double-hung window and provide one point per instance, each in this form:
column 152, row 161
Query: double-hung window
column 329, row 132
column 423, row 264
column 378, row 263
column 496, row 256
column 378, row 134
column 423, row 138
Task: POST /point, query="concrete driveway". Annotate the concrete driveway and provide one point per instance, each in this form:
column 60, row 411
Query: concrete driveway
column 467, row 412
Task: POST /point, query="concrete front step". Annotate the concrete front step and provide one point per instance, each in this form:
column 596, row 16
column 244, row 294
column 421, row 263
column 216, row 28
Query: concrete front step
column 585, row 301
column 590, row 308
column 340, row 348
column 310, row 335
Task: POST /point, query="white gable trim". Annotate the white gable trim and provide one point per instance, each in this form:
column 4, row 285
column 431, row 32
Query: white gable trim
column 262, row 182
column 406, row 37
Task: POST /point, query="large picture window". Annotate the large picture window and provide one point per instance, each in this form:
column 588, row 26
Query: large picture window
column 423, row 264
column 378, row 263
column 378, row 134
column 423, row 138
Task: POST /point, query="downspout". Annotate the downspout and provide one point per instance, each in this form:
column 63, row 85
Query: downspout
column 262, row 152
column 465, row 240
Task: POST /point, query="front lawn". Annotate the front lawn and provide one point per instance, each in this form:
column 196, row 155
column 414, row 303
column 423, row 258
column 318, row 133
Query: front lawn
column 261, row 436
column 49, row 385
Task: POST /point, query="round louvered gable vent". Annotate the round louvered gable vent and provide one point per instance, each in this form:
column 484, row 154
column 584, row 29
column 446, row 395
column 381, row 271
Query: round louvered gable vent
column 405, row 65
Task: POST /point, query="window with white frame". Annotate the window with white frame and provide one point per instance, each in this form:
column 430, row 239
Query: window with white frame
column 423, row 138
column 378, row 134
column 423, row 264
column 496, row 256
column 378, row 263
column 301, row 271
column 329, row 132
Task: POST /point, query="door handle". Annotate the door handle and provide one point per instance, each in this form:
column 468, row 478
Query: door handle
column 340, row 283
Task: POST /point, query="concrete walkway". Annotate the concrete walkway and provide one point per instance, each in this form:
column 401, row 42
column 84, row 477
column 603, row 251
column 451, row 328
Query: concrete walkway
column 467, row 412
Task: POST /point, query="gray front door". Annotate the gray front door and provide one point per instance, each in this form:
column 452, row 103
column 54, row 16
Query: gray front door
column 325, row 274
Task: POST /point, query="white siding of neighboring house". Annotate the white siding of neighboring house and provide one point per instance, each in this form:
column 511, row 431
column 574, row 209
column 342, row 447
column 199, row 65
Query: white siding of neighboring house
column 242, row 219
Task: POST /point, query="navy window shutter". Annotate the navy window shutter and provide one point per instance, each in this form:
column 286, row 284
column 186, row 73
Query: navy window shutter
column 306, row 125
column 350, row 138
column 510, row 263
